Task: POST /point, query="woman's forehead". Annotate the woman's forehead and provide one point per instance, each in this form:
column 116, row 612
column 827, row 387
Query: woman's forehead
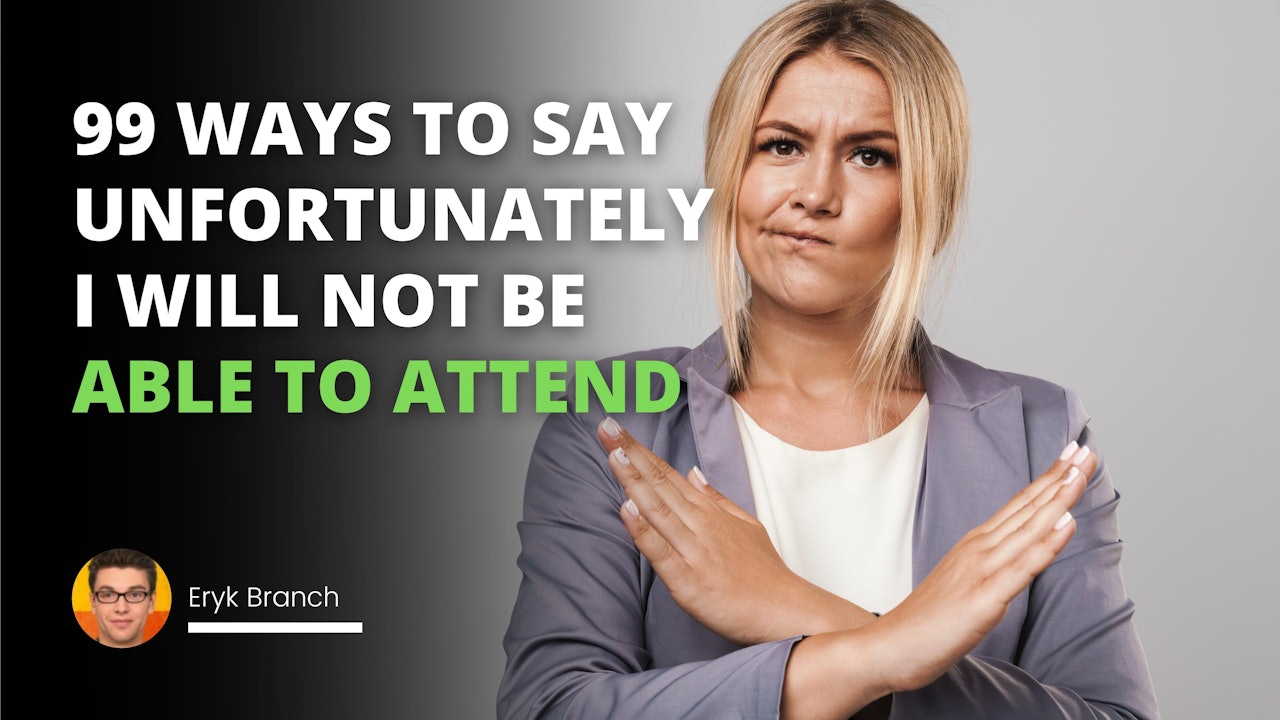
column 830, row 90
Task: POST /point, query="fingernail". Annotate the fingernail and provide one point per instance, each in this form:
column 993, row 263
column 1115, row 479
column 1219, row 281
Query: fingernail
column 697, row 475
column 1062, row 521
column 1072, row 474
column 630, row 505
column 1080, row 455
column 621, row 456
column 1068, row 452
column 611, row 427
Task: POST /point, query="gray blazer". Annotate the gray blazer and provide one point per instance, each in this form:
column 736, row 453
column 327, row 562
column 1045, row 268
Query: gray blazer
column 595, row 633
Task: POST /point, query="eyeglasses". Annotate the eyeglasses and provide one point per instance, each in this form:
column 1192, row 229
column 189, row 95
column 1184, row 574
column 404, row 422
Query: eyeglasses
column 130, row 596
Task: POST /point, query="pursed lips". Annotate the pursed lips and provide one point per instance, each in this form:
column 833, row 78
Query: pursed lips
column 802, row 238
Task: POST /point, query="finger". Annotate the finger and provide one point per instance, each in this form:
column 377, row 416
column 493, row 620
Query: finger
column 1075, row 478
column 1071, row 456
column 1024, row 546
column 664, row 558
column 1037, row 544
column 671, row 485
column 650, row 504
column 609, row 433
column 699, row 481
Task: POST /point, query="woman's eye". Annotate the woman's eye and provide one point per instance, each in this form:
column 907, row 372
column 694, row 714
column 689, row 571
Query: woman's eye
column 871, row 158
column 780, row 148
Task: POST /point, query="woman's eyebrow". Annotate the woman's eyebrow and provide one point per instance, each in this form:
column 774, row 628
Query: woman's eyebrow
column 785, row 127
column 870, row 135
column 856, row 137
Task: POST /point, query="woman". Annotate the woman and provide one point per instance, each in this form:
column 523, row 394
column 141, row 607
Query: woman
column 817, row 560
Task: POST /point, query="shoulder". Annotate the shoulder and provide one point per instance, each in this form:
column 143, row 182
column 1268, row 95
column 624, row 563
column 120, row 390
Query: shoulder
column 568, row 469
column 1052, row 415
column 636, row 388
column 951, row 379
column 641, row 375
column 656, row 366
column 658, row 373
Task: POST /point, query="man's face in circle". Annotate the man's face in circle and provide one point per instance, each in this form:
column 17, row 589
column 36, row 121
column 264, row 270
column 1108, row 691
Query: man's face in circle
column 120, row 624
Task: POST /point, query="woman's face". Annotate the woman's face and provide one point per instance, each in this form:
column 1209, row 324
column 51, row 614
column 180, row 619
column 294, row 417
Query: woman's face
column 818, row 208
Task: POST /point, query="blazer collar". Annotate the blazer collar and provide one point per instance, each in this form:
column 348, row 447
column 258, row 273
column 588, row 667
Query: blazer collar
column 976, row 448
column 975, row 456
column 705, row 370
column 949, row 379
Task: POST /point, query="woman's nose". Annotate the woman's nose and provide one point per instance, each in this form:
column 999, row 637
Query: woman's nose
column 818, row 188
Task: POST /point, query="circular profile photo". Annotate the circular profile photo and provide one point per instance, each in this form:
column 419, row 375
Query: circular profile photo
column 121, row 598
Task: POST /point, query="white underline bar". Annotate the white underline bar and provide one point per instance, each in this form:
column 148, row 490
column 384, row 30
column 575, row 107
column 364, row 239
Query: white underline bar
column 283, row 628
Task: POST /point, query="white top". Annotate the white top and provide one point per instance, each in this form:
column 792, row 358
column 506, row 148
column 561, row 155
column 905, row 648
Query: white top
column 842, row 519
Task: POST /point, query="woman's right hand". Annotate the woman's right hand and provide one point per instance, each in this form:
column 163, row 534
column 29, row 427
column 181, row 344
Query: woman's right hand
column 951, row 610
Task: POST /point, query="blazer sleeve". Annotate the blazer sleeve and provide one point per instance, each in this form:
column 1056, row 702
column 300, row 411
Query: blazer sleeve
column 576, row 642
column 1079, row 655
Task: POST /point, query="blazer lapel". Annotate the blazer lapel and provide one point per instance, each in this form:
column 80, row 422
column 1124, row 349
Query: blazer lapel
column 715, row 429
column 975, row 454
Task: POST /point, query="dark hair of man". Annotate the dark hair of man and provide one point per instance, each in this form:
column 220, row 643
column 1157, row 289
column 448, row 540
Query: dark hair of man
column 122, row 558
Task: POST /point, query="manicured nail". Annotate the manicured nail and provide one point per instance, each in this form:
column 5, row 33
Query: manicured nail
column 1080, row 455
column 1068, row 452
column 1072, row 474
column 1062, row 521
column 630, row 505
column 611, row 427
column 621, row 456
column 697, row 475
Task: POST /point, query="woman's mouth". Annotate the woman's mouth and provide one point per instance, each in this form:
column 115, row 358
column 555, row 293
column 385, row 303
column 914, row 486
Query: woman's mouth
column 801, row 238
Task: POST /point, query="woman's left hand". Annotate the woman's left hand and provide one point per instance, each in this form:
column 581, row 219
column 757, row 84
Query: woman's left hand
column 715, row 558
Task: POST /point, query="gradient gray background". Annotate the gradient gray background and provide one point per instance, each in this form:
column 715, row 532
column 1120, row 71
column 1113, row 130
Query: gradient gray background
column 1120, row 240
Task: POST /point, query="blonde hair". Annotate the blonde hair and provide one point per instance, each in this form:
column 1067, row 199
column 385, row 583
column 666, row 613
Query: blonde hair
column 930, row 116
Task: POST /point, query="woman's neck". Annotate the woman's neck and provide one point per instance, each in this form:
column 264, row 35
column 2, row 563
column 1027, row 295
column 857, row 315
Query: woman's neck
column 800, row 383
column 808, row 354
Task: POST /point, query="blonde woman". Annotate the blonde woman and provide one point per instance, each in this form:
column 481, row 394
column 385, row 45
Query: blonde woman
column 837, row 517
